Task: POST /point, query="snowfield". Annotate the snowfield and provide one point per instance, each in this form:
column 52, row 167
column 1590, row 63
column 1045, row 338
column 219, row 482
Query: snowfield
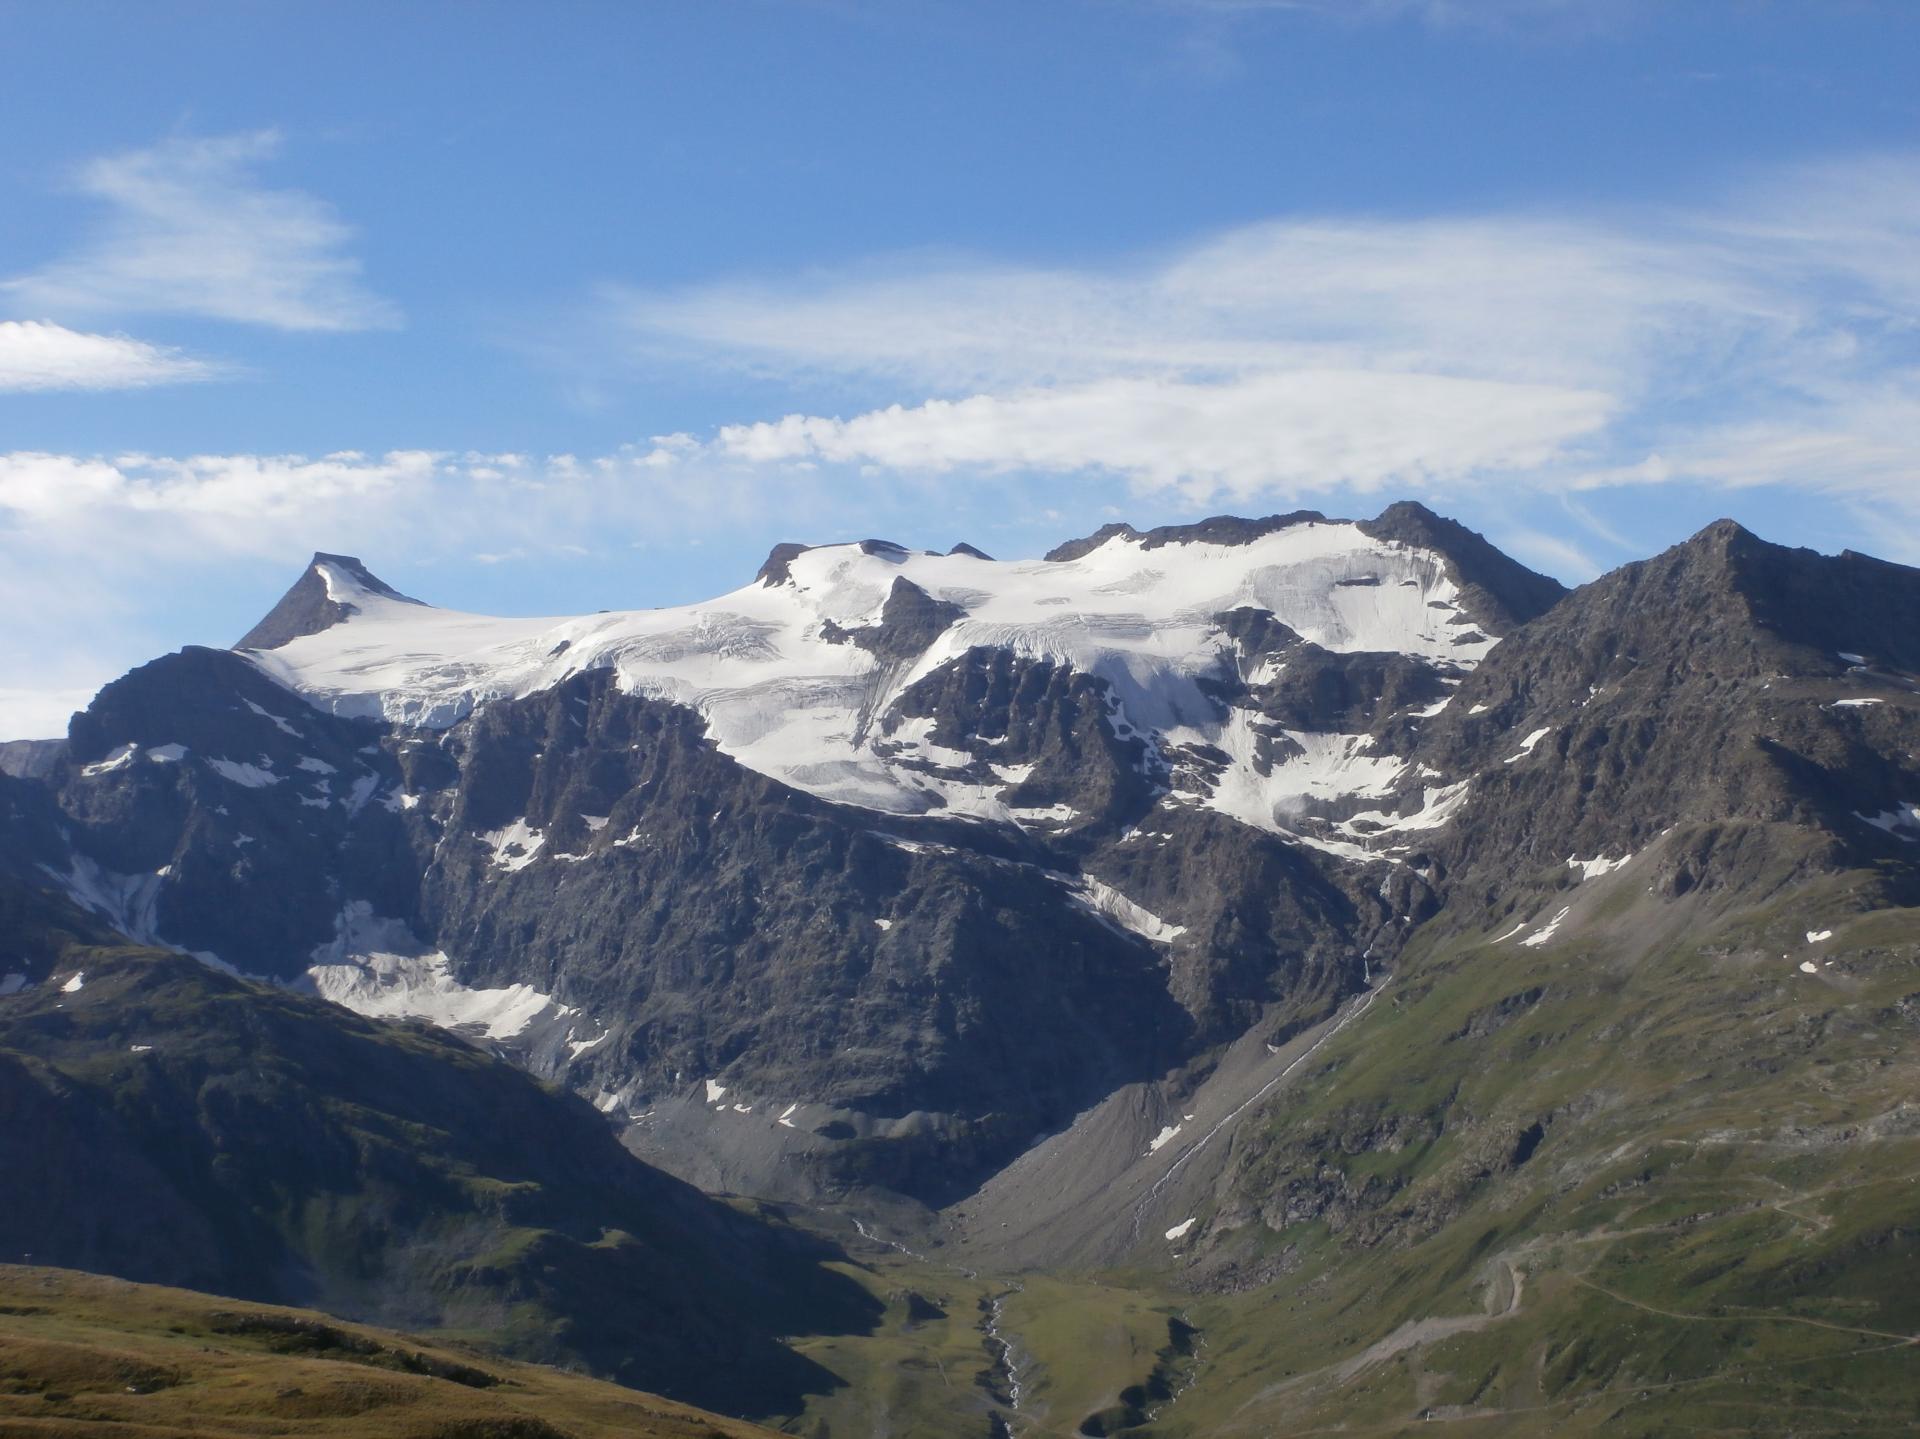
column 783, row 698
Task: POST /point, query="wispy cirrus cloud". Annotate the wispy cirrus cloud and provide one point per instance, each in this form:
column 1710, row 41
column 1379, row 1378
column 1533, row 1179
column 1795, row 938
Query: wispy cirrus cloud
column 189, row 229
column 1770, row 336
column 39, row 356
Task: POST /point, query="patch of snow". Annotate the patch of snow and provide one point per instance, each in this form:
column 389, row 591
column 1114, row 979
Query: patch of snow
column 126, row 901
column 1852, row 659
column 1116, row 910
column 1552, row 927
column 279, row 723
column 883, row 924
column 579, row 1047
column 1819, row 936
column 1437, row 808
column 1154, row 1144
column 375, row 967
column 1319, row 770
column 1511, row 933
column 1807, row 966
column 140, row 1048
column 75, row 982
column 1527, row 744
column 167, row 753
column 119, row 759
column 1479, row 709
column 1047, row 814
column 715, row 1091
column 594, row 822
column 1180, row 1230
column 316, row 766
column 515, row 846
column 250, row 776
column 1595, row 868
column 786, row 1116
column 1894, row 821
column 1854, row 704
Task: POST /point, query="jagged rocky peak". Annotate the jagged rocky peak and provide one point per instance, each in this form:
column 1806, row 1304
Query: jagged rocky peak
column 1851, row 607
column 777, row 568
column 1502, row 592
column 332, row 588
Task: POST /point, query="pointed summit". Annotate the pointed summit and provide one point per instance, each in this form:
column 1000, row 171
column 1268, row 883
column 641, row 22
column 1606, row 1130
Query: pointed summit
column 1501, row 591
column 333, row 587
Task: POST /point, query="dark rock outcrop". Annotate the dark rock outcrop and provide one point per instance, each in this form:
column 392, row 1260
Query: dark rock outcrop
column 308, row 608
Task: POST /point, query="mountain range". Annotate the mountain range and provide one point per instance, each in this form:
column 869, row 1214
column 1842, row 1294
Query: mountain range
column 1333, row 933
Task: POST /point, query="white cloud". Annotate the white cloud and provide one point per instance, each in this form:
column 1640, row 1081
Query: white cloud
column 36, row 355
column 1246, row 438
column 1765, row 337
column 190, row 231
column 238, row 503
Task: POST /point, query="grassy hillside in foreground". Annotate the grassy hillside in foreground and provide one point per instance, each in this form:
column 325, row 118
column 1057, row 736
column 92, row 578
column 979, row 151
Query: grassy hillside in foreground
column 83, row 1354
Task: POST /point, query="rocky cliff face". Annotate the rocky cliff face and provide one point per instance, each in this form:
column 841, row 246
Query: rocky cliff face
column 1750, row 698
column 883, row 864
column 888, row 862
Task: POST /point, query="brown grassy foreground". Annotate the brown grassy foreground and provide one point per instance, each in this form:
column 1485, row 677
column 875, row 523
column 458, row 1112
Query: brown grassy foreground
column 81, row 1353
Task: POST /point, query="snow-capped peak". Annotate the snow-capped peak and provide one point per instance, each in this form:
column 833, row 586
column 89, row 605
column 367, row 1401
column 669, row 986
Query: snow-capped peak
column 788, row 687
column 332, row 588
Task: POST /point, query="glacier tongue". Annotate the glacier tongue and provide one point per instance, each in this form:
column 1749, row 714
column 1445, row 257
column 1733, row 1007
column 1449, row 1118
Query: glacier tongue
column 771, row 669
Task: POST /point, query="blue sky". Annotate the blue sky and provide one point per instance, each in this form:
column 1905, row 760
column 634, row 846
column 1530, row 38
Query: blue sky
column 559, row 308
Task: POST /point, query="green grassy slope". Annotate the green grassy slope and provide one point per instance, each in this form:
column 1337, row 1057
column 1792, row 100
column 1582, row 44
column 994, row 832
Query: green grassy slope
column 82, row 1354
column 1648, row 1178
